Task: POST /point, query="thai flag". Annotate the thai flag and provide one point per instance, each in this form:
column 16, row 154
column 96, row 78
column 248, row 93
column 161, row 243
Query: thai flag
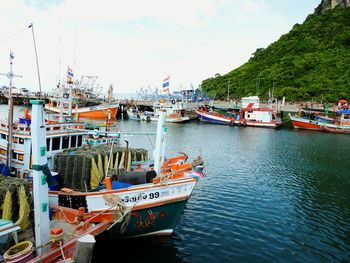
column 166, row 84
column 195, row 174
column 12, row 56
column 70, row 73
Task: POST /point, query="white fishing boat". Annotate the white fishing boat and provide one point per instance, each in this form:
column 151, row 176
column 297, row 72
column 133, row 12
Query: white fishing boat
column 176, row 111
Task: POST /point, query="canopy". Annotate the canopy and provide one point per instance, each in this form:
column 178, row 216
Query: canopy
column 344, row 111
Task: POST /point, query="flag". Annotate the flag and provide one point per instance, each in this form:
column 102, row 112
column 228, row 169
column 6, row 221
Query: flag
column 166, row 84
column 12, row 56
column 70, row 75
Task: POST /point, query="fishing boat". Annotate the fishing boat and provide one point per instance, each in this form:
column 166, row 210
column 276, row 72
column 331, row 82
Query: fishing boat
column 134, row 113
column 97, row 111
column 251, row 114
column 54, row 239
column 60, row 135
column 307, row 123
column 68, row 104
column 341, row 123
column 215, row 117
column 176, row 111
column 139, row 197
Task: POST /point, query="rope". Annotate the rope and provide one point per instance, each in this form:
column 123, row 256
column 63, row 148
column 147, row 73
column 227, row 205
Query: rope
column 13, row 35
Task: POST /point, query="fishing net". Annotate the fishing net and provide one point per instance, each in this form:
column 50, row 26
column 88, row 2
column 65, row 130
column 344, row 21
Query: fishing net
column 15, row 201
column 83, row 169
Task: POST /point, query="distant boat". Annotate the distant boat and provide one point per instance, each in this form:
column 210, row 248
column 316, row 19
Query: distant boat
column 134, row 114
column 98, row 111
column 251, row 114
column 176, row 111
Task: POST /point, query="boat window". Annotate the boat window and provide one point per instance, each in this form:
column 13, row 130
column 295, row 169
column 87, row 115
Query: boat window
column 3, row 136
column 14, row 155
column 21, row 141
column 20, row 157
column 65, row 142
column 48, row 144
column 73, row 141
column 3, row 152
column 80, row 140
column 56, row 142
column 15, row 140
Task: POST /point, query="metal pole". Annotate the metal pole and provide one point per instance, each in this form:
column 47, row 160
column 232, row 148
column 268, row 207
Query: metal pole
column 158, row 151
column 37, row 60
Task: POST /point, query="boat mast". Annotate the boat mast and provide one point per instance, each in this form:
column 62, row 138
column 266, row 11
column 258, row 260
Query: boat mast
column 10, row 76
column 159, row 150
column 41, row 197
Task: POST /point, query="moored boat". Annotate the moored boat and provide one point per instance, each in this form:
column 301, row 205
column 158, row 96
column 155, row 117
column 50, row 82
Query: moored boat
column 176, row 111
column 215, row 117
column 251, row 114
column 341, row 124
column 137, row 199
column 98, row 111
column 308, row 124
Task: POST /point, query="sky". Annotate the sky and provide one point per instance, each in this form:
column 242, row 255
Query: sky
column 135, row 44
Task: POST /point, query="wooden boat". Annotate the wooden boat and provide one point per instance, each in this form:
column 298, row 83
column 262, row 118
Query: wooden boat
column 176, row 111
column 98, row 111
column 341, row 124
column 141, row 202
column 59, row 136
column 251, row 114
column 339, row 129
column 308, row 124
column 55, row 239
column 214, row 117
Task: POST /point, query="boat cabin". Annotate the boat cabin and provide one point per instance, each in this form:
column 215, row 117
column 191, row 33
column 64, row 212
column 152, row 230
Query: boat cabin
column 251, row 102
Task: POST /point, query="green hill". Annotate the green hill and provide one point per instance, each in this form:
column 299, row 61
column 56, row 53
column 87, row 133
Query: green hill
column 312, row 61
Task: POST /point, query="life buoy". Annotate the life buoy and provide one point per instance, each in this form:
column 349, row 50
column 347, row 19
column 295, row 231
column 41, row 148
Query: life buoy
column 173, row 101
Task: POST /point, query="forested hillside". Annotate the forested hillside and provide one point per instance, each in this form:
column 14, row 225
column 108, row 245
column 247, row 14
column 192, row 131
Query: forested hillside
column 312, row 61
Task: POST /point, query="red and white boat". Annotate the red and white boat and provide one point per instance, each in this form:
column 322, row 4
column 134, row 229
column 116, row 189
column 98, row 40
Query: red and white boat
column 251, row 114
column 341, row 125
column 308, row 124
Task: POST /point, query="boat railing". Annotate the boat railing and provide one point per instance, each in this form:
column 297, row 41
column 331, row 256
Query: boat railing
column 24, row 129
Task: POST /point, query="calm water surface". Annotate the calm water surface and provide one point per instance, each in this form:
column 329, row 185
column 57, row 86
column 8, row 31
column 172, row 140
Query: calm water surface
column 268, row 196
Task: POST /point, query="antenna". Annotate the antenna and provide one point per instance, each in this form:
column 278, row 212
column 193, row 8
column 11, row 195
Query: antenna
column 10, row 76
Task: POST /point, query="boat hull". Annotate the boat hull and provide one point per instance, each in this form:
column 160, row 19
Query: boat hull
column 151, row 221
column 207, row 117
column 301, row 123
column 271, row 125
column 92, row 112
column 340, row 130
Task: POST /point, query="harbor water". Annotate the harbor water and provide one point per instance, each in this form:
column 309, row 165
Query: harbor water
column 268, row 196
